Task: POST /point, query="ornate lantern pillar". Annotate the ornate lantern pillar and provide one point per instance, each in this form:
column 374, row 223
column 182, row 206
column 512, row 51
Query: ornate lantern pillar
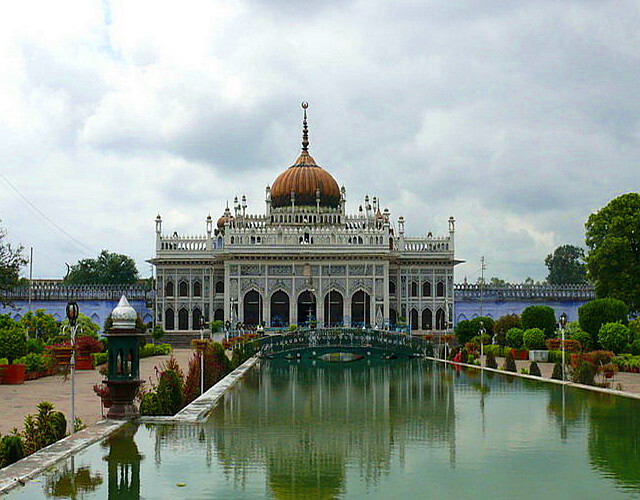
column 123, row 377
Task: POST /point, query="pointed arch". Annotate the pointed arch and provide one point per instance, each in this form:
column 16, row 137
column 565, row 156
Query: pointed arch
column 360, row 308
column 440, row 289
column 393, row 317
column 252, row 303
column 183, row 289
column 218, row 315
column 279, row 309
column 415, row 325
column 183, row 319
column 196, row 315
column 197, row 289
column 306, row 307
column 168, row 289
column 333, row 309
column 413, row 289
column 392, row 287
column 441, row 323
column 427, row 319
column 426, row 289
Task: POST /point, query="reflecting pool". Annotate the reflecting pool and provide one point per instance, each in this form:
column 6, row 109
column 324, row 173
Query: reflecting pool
column 294, row 429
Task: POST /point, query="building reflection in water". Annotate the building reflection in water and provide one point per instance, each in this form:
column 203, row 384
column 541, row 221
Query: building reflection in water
column 304, row 423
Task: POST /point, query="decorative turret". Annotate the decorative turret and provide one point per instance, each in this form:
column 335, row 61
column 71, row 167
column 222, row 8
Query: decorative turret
column 123, row 376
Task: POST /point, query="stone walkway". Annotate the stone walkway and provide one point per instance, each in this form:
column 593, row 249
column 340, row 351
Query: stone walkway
column 17, row 401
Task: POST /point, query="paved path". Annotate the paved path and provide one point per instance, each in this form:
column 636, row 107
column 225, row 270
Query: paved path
column 17, row 401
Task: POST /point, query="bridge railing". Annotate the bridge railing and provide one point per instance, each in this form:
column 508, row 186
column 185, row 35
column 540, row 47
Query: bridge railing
column 345, row 338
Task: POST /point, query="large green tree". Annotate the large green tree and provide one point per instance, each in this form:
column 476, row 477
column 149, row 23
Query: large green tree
column 108, row 269
column 11, row 261
column 613, row 239
column 566, row 266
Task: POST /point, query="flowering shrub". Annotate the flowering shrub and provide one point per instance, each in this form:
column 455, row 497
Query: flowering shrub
column 570, row 345
column 88, row 345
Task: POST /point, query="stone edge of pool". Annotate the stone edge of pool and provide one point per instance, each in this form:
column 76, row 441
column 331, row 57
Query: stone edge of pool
column 593, row 388
column 29, row 467
column 33, row 465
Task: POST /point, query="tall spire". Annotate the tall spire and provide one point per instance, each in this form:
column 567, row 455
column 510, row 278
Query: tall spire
column 305, row 131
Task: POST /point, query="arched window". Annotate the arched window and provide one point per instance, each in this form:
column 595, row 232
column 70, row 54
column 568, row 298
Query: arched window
column 197, row 289
column 392, row 287
column 169, row 319
column 168, row 289
column 414, row 320
column 252, row 308
column 427, row 319
column 440, row 289
column 414, row 289
column 183, row 289
column 360, row 309
column 218, row 315
column 333, row 309
column 220, row 287
column 441, row 323
column 195, row 317
column 183, row 319
column 426, row 289
column 306, row 308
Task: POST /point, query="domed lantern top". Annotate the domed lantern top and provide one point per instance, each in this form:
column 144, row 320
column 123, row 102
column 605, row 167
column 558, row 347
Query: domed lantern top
column 123, row 316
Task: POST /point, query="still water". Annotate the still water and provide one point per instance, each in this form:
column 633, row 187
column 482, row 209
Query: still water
column 412, row 429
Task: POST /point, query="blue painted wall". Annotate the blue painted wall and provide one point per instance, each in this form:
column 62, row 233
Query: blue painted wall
column 468, row 309
column 97, row 310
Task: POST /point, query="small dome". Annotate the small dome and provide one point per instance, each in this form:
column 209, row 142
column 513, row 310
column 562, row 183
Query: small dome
column 124, row 316
column 224, row 218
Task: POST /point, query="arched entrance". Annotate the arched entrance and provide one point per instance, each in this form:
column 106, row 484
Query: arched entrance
column 333, row 309
column 414, row 320
column 169, row 319
column 393, row 317
column 218, row 315
column 427, row 319
column 440, row 320
column 183, row 319
column 252, row 308
column 279, row 309
column 195, row 318
column 360, row 309
column 306, row 308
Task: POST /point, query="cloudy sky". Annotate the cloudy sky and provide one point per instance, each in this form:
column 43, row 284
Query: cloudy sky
column 519, row 118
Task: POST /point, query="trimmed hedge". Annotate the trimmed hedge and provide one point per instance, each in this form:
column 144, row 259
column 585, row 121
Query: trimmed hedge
column 514, row 337
column 596, row 313
column 542, row 317
column 533, row 339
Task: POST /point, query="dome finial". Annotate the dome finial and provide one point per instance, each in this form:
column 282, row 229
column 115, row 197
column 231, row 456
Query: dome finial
column 305, row 130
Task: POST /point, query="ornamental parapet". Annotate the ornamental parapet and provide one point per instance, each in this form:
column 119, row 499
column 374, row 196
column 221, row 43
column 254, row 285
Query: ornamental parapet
column 60, row 291
column 468, row 291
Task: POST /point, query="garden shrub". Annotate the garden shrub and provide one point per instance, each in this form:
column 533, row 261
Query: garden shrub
column 88, row 345
column 169, row 392
column 216, row 364
column 614, row 337
column 514, row 338
column 596, row 313
column 634, row 329
column 509, row 363
column 100, row 358
column 35, row 346
column 584, row 372
column 464, row 355
column 503, row 325
column 533, row 339
column 555, row 356
column 157, row 333
column 34, row 362
column 148, row 350
column 13, row 343
column 534, row 369
column 163, row 349
column 557, row 371
column 43, row 428
column 11, row 449
column 570, row 345
column 150, row 406
column 191, row 388
column 490, row 361
column 216, row 326
column 466, row 329
column 635, row 347
column 584, row 338
column 542, row 317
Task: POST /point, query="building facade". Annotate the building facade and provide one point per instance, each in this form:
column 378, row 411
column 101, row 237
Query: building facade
column 305, row 261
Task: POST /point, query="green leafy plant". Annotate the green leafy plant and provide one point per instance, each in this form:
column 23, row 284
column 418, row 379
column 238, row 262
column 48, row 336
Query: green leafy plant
column 169, row 392
column 11, row 449
column 614, row 337
column 534, row 369
column 34, row 362
column 584, row 338
column 596, row 313
column 533, row 339
column 584, row 372
column 40, row 326
column 514, row 338
column 13, row 342
column 490, row 361
column 557, row 371
column 157, row 333
column 216, row 326
column 509, row 363
column 503, row 325
column 150, row 405
column 465, row 330
column 542, row 317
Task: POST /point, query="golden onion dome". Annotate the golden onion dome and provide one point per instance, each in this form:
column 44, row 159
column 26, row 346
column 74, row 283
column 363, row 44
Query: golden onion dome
column 224, row 218
column 305, row 179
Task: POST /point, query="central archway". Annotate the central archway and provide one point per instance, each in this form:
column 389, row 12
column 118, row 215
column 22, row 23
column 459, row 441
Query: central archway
column 279, row 309
column 333, row 309
column 252, row 308
column 306, row 308
column 360, row 309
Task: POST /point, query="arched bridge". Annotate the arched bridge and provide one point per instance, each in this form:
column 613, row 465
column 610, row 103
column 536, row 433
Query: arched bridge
column 352, row 342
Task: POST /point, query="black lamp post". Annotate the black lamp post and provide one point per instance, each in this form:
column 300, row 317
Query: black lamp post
column 73, row 311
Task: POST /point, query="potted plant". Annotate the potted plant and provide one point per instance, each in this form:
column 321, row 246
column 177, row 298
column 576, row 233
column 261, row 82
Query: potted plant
column 85, row 347
column 103, row 391
column 13, row 345
column 609, row 370
column 61, row 353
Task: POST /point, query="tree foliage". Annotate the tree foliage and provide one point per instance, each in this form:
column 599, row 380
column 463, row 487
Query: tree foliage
column 108, row 269
column 466, row 329
column 13, row 342
column 566, row 266
column 614, row 337
column 542, row 317
column 533, row 339
column 613, row 239
column 11, row 261
column 503, row 325
column 596, row 313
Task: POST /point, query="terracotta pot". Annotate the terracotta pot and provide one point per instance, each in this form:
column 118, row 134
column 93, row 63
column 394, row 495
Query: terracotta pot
column 84, row 362
column 14, row 374
column 608, row 374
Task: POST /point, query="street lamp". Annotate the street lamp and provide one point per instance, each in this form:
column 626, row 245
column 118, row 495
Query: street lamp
column 202, row 323
column 482, row 331
column 73, row 311
column 563, row 324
